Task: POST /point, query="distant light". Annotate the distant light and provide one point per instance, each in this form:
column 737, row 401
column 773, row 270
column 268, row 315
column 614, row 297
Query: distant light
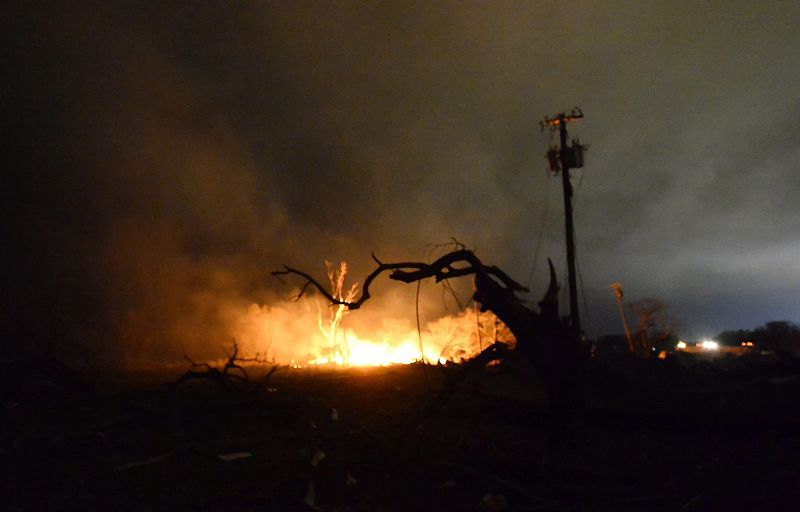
column 709, row 344
column 681, row 344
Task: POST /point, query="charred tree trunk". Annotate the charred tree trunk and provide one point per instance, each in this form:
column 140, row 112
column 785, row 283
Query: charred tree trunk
column 555, row 351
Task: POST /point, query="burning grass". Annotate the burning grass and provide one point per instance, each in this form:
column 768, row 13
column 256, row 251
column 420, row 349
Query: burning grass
column 311, row 332
column 296, row 334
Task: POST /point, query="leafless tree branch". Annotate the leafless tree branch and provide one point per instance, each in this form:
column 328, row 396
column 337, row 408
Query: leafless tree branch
column 445, row 267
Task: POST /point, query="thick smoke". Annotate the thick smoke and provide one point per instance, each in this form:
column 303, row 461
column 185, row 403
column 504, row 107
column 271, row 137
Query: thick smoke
column 150, row 209
column 166, row 158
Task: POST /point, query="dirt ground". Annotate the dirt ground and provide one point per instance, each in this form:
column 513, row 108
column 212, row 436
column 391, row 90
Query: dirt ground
column 362, row 440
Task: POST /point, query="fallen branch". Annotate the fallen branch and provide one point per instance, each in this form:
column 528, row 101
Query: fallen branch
column 226, row 380
column 496, row 351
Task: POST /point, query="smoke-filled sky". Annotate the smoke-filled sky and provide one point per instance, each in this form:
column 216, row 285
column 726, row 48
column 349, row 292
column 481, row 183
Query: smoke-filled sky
column 163, row 157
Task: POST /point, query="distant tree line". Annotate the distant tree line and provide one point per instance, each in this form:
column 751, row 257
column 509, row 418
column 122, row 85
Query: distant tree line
column 656, row 332
column 781, row 336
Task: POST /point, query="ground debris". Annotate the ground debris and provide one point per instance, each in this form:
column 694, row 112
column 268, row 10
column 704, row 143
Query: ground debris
column 228, row 457
column 494, row 502
column 232, row 376
column 477, row 445
column 140, row 463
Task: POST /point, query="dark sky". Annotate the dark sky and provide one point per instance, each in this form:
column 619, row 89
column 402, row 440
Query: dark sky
column 163, row 157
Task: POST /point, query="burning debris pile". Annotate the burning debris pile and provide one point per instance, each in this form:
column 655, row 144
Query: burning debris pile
column 310, row 332
column 553, row 347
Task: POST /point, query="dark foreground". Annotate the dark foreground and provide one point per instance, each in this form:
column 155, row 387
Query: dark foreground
column 359, row 440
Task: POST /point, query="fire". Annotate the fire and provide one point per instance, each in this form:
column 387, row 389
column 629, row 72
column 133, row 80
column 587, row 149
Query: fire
column 451, row 338
column 361, row 352
column 312, row 333
column 339, row 342
column 345, row 348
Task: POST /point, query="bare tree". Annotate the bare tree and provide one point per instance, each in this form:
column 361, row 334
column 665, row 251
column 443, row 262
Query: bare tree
column 655, row 324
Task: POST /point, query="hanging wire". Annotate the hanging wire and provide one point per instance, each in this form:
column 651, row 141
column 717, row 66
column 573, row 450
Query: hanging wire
column 419, row 336
column 577, row 189
column 438, row 250
column 577, row 259
column 585, row 303
column 542, row 227
column 582, row 291
column 478, row 324
column 545, row 217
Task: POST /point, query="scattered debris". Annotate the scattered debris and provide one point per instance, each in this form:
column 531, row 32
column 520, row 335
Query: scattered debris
column 533, row 498
column 317, row 457
column 494, row 502
column 228, row 457
column 88, row 435
column 139, row 463
column 334, row 414
column 224, row 378
column 310, row 494
column 350, row 480
column 694, row 503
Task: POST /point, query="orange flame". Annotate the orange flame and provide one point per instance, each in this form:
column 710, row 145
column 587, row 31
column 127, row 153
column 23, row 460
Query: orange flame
column 302, row 334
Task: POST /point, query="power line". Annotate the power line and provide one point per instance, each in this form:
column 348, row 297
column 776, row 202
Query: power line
column 542, row 226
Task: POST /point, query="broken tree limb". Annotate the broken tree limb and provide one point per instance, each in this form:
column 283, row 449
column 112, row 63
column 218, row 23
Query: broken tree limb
column 443, row 268
column 497, row 350
column 410, row 272
column 223, row 378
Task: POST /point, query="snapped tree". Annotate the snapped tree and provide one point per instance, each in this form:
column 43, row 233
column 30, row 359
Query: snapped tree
column 554, row 348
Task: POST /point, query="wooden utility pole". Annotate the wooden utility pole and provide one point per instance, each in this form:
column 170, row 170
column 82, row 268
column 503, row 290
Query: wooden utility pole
column 562, row 159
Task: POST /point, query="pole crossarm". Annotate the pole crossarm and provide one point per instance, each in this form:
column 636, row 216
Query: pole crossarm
column 562, row 118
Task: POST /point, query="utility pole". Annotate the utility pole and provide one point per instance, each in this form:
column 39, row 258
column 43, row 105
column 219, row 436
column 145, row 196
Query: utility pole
column 562, row 159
